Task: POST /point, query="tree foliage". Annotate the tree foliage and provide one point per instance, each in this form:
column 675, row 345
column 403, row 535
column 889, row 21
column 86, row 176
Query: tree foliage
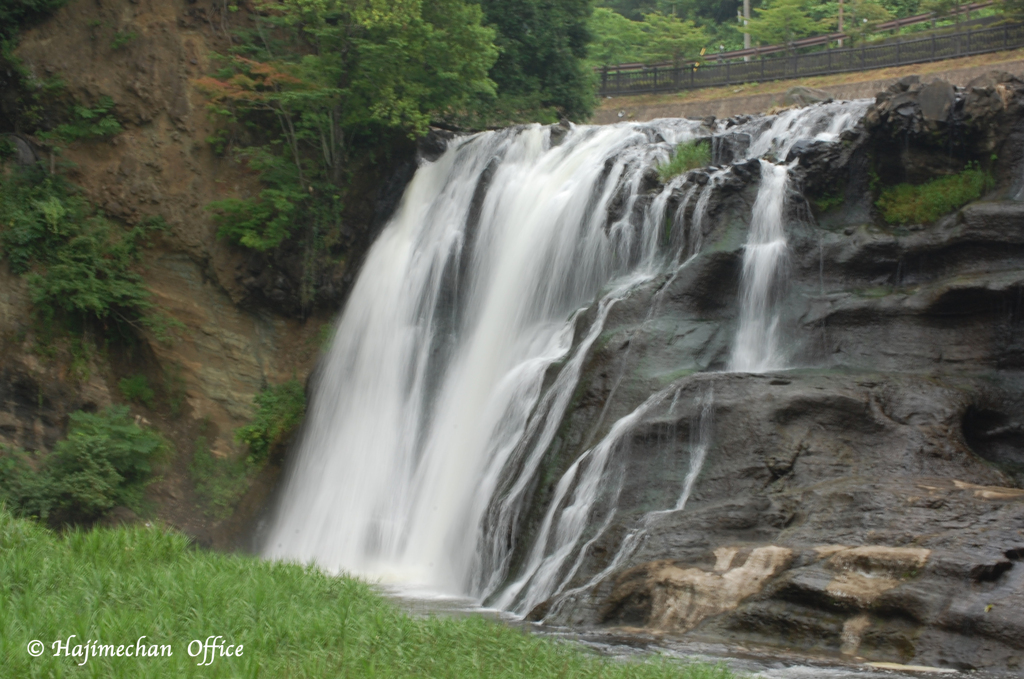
column 615, row 39
column 782, row 21
column 671, row 39
column 659, row 37
column 79, row 267
column 541, row 72
column 14, row 14
column 104, row 462
column 279, row 411
column 319, row 82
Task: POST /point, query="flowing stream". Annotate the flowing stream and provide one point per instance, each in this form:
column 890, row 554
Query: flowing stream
column 463, row 341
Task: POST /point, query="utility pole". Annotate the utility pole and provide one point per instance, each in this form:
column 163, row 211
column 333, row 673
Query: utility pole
column 840, row 20
column 746, row 20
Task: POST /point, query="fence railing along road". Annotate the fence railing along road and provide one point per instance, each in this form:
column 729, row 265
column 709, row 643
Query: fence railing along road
column 618, row 81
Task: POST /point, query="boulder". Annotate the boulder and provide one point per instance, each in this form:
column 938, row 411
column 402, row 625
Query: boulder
column 804, row 96
column 936, row 100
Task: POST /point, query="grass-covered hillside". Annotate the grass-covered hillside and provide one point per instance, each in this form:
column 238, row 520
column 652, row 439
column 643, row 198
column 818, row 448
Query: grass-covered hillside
column 109, row 587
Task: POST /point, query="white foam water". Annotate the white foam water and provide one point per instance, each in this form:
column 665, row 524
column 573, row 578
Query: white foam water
column 756, row 348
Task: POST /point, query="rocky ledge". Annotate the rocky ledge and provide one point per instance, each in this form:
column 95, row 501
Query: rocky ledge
column 868, row 501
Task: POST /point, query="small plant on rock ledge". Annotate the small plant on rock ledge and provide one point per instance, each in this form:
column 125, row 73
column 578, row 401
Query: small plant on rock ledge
column 687, row 156
column 137, row 389
column 925, row 203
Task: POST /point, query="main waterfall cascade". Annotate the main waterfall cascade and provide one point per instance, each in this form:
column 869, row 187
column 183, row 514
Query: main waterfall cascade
column 464, row 337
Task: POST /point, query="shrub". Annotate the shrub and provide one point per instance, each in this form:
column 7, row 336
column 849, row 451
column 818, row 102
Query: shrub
column 688, row 155
column 78, row 266
column 260, row 224
column 279, row 411
column 104, row 462
column 87, row 123
column 137, row 390
column 924, row 203
column 122, row 39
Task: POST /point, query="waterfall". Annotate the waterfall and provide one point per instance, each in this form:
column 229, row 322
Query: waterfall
column 468, row 296
column 463, row 341
column 756, row 348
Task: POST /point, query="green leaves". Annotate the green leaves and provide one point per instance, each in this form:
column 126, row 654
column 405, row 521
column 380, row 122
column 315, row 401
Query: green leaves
column 659, row 37
column 670, row 39
column 16, row 13
column 279, row 411
column 783, row 21
column 616, row 39
column 104, row 462
column 87, row 123
column 541, row 72
column 78, row 265
column 259, row 224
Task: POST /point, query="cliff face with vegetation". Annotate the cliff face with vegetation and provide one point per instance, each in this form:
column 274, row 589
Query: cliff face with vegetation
column 188, row 189
column 241, row 324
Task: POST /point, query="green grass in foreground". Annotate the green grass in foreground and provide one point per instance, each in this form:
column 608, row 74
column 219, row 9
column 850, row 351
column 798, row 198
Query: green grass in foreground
column 116, row 585
column 924, row 203
column 687, row 156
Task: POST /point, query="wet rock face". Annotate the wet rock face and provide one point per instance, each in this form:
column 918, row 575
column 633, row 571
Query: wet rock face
column 868, row 501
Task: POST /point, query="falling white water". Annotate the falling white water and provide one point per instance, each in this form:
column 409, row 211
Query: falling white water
column 700, row 439
column 563, row 526
column 822, row 122
column 764, row 260
column 701, row 428
column 440, row 356
column 459, row 351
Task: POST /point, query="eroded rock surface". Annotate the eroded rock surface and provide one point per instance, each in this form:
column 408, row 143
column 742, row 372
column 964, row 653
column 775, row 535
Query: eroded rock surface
column 868, row 500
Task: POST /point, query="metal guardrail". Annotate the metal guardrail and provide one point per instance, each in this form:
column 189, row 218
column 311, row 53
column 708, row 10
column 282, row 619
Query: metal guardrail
column 826, row 62
column 813, row 41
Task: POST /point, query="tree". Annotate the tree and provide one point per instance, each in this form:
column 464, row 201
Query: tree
column 943, row 8
column 348, row 71
column 1013, row 8
column 863, row 16
column 783, row 21
column 671, row 39
column 541, row 72
column 616, row 39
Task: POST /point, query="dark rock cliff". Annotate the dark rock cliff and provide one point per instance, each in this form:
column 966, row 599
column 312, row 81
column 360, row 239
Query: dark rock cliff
column 869, row 500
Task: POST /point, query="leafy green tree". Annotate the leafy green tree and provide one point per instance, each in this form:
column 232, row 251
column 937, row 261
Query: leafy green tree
column 1013, row 8
column 862, row 17
column 541, row 72
column 616, row 39
column 782, row 21
column 944, row 8
column 317, row 87
column 902, row 8
column 80, row 269
column 671, row 39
